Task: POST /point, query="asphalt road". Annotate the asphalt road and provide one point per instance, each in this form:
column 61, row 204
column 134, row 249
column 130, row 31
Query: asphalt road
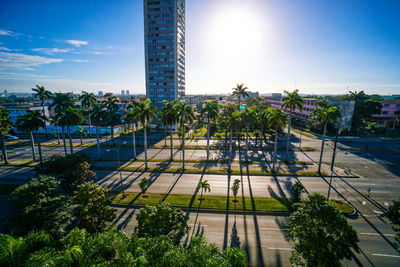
column 260, row 235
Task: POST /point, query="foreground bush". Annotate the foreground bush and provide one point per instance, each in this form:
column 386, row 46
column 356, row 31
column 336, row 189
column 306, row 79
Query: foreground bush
column 112, row 248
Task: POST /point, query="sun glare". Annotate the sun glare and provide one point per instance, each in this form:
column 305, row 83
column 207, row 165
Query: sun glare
column 236, row 31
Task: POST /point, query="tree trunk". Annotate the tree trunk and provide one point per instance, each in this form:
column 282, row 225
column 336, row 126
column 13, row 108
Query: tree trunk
column 39, row 146
column 134, row 141
column 58, row 134
column 81, row 137
column 366, row 145
column 44, row 114
column 230, row 152
column 165, row 136
column 90, row 125
column 33, row 147
column 288, row 136
column 262, row 135
column 70, row 140
column 208, row 137
column 112, row 134
column 171, row 143
column 145, row 144
column 3, row 148
column 183, row 146
column 65, row 145
column 98, row 142
column 322, row 149
column 275, row 149
column 247, row 142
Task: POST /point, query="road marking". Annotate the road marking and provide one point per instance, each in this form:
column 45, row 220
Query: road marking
column 376, row 234
column 386, row 204
column 386, row 255
column 272, row 229
column 379, row 212
column 198, row 224
column 279, row 248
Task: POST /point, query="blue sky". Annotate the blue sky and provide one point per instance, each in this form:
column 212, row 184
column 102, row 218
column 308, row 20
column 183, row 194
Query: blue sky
column 316, row 46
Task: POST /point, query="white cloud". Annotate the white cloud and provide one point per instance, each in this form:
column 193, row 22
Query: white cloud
column 77, row 43
column 2, row 48
column 80, row 60
column 52, row 51
column 19, row 61
column 8, row 33
column 98, row 53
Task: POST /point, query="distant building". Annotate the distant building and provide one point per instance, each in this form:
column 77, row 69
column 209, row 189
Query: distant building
column 108, row 94
column 164, row 29
column 123, row 92
column 17, row 110
column 389, row 113
column 390, row 97
column 253, row 94
column 127, row 92
column 100, row 93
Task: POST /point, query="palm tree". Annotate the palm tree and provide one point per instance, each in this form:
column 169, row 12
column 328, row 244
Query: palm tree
column 185, row 116
column 31, row 121
column 211, row 110
column 113, row 118
column 147, row 112
column 98, row 114
column 111, row 105
column 276, row 117
column 5, row 127
column 233, row 121
column 291, row 101
column 248, row 118
column 204, row 186
column 43, row 95
column 132, row 117
column 263, row 120
column 70, row 117
column 61, row 101
column 240, row 91
column 88, row 100
column 324, row 115
column 55, row 121
column 169, row 116
column 370, row 128
column 81, row 133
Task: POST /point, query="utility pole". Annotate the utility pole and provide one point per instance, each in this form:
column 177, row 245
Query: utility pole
column 333, row 161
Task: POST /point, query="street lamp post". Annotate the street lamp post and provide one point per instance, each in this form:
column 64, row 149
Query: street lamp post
column 333, row 161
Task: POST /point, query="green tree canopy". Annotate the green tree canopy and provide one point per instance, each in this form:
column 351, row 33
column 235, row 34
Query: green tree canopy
column 162, row 220
column 393, row 214
column 94, row 212
column 320, row 234
column 39, row 205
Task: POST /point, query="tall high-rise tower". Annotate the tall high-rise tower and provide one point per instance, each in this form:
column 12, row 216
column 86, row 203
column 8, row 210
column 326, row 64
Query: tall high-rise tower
column 164, row 29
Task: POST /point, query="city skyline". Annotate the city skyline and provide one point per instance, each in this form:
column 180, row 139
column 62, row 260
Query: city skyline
column 268, row 45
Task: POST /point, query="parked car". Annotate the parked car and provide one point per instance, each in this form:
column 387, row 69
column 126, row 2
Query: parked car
column 9, row 137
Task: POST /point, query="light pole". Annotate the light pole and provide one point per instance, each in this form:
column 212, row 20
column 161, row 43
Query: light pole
column 333, row 161
column 119, row 168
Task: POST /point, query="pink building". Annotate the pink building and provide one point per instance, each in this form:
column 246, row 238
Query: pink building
column 389, row 113
column 309, row 104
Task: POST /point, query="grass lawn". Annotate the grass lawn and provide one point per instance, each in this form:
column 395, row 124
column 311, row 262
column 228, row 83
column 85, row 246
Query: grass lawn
column 208, row 202
column 217, row 202
column 342, row 206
